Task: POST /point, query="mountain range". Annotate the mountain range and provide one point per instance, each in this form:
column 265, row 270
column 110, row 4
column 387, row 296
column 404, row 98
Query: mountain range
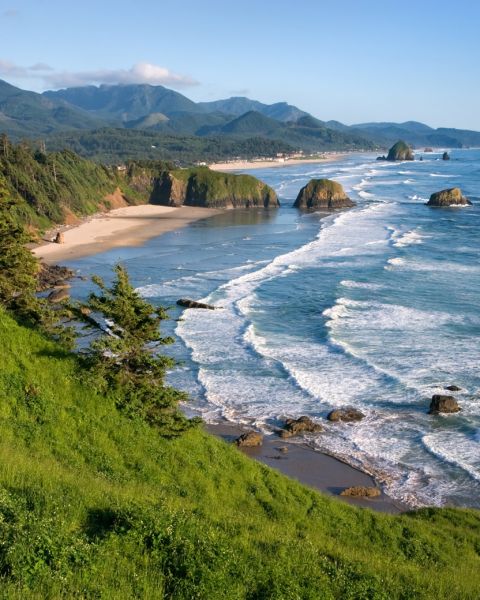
column 159, row 110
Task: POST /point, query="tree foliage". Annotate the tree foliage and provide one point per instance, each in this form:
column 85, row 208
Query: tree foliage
column 19, row 275
column 125, row 354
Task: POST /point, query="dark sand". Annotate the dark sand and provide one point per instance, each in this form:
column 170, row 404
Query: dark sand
column 310, row 467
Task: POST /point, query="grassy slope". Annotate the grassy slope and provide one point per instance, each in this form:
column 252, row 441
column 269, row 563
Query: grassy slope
column 93, row 505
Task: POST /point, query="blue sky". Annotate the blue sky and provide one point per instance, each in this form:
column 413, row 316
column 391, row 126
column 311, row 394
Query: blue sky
column 353, row 61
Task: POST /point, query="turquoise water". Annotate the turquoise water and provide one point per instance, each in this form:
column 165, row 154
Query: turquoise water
column 375, row 307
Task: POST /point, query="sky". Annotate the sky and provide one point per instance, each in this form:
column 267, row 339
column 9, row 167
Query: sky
column 350, row 60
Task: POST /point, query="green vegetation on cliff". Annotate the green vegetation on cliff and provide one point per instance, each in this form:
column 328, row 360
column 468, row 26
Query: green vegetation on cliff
column 323, row 193
column 96, row 504
column 400, row 151
column 200, row 186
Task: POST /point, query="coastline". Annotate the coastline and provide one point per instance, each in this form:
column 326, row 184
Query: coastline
column 310, row 467
column 127, row 226
column 274, row 163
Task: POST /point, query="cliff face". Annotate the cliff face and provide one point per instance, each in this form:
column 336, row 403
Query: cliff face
column 400, row 151
column 202, row 187
column 450, row 197
column 322, row 193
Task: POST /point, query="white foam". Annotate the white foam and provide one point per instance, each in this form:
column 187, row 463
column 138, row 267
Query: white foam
column 409, row 238
column 360, row 284
column 457, row 449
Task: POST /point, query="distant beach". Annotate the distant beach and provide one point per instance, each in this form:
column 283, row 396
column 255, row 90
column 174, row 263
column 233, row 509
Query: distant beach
column 238, row 165
column 128, row 226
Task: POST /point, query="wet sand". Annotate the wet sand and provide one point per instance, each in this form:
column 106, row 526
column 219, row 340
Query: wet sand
column 128, row 226
column 314, row 469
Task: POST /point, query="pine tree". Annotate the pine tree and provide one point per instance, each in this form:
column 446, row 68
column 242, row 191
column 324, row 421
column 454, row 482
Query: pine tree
column 18, row 266
column 125, row 354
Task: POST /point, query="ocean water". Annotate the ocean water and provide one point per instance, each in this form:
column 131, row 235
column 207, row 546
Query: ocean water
column 375, row 307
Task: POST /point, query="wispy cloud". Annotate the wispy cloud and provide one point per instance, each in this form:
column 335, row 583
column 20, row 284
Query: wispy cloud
column 10, row 13
column 10, row 69
column 139, row 73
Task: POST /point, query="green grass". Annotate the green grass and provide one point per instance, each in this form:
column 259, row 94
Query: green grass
column 94, row 505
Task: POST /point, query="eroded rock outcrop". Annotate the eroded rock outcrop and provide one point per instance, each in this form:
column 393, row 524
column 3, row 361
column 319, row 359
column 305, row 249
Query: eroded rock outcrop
column 445, row 156
column 360, row 491
column 348, row 414
column 250, row 439
column 299, row 426
column 450, row 197
column 203, row 187
column 322, row 193
column 443, row 404
column 187, row 303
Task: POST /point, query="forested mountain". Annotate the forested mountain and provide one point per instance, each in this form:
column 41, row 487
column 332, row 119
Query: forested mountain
column 94, row 121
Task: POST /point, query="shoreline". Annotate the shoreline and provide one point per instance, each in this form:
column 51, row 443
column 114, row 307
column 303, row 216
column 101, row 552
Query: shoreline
column 127, row 226
column 274, row 163
column 310, row 467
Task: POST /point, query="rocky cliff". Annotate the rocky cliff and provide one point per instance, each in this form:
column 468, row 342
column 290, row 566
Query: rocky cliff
column 322, row 193
column 202, row 187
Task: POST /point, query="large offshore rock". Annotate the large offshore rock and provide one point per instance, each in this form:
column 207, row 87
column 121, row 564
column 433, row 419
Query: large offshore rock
column 443, row 404
column 450, row 197
column 323, row 193
column 400, row 151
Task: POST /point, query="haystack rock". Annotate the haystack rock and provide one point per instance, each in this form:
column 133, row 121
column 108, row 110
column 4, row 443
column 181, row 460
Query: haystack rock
column 400, row 151
column 450, row 197
column 322, row 193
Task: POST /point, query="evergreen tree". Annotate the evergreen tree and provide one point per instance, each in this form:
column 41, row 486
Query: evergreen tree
column 125, row 353
column 19, row 270
column 18, row 266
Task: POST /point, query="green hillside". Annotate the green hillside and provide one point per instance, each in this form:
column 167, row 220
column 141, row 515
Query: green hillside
column 97, row 505
column 116, row 145
column 58, row 186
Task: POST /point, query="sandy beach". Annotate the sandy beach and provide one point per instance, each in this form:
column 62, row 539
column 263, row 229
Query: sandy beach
column 314, row 469
column 128, row 226
column 240, row 165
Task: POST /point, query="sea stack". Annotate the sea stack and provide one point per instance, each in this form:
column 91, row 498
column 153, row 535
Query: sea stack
column 445, row 156
column 200, row 186
column 400, row 151
column 450, row 197
column 322, row 193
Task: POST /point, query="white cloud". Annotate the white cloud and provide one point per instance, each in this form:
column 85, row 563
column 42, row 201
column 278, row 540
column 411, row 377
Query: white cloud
column 10, row 69
column 40, row 67
column 140, row 73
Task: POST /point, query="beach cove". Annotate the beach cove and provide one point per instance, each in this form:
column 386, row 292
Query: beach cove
column 266, row 356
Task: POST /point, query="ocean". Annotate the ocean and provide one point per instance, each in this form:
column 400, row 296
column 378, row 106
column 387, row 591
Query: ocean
column 375, row 307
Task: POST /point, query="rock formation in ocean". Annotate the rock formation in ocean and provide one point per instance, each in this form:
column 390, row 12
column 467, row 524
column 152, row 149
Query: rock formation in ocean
column 187, row 303
column 322, row 193
column 445, row 156
column 453, row 388
column 298, row 426
column 443, row 404
column 203, row 187
column 348, row 414
column 428, row 149
column 450, row 197
column 400, row 151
